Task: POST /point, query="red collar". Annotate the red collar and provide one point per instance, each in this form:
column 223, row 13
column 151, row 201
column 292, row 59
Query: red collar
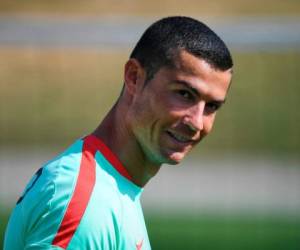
column 108, row 154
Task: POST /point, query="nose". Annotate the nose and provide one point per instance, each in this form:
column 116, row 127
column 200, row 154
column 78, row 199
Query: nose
column 195, row 117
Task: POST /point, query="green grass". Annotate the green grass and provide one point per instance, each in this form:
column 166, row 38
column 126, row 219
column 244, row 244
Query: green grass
column 55, row 96
column 178, row 231
column 217, row 232
column 4, row 215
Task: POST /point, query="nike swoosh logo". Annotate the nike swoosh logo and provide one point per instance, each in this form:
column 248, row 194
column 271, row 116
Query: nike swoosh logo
column 139, row 245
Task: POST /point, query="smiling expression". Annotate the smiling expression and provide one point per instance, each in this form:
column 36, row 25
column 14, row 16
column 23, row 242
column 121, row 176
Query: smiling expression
column 176, row 109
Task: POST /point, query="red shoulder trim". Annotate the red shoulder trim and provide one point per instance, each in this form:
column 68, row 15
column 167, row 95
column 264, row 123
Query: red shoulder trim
column 81, row 196
column 84, row 187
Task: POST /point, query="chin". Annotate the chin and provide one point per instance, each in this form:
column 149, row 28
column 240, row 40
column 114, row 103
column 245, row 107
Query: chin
column 175, row 158
column 170, row 157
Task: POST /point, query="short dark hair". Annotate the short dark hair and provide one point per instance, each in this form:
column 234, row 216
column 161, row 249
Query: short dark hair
column 166, row 37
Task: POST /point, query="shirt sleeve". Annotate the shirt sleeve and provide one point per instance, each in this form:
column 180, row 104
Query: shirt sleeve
column 30, row 223
column 38, row 213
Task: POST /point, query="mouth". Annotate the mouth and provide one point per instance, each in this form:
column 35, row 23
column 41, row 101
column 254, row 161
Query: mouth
column 179, row 137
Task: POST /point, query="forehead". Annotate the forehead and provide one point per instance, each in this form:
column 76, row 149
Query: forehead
column 198, row 74
column 188, row 63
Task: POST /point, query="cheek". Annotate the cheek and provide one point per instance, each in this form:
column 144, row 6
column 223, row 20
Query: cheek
column 160, row 107
column 155, row 108
column 145, row 113
column 208, row 124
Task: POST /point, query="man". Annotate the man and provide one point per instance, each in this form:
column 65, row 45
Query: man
column 176, row 79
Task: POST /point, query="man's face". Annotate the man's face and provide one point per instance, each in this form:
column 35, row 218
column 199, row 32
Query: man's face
column 176, row 109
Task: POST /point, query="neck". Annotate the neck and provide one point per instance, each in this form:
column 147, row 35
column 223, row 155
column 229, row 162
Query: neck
column 121, row 141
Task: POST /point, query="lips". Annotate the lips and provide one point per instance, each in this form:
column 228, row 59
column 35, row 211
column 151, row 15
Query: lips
column 179, row 137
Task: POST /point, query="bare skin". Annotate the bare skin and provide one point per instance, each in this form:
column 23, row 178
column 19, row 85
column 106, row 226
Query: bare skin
column 161, row 120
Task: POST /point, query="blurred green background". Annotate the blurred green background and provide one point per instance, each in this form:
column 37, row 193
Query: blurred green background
column 56, row 96
column 51, row 96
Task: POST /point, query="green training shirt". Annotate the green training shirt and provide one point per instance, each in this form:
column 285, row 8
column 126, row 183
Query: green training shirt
column 83, row 199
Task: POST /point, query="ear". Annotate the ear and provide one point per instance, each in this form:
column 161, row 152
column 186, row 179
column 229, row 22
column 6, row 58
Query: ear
column 134, row 75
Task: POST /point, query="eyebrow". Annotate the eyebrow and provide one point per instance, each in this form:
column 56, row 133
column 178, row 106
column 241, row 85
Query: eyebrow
column 196, row 92
column 188, row 85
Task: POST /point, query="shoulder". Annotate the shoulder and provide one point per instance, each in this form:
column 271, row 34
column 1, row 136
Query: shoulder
column 39, row 210
column 54, row 178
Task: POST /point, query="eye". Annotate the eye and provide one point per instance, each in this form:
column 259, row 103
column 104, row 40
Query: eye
column 185, row 94
column 212, row 107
